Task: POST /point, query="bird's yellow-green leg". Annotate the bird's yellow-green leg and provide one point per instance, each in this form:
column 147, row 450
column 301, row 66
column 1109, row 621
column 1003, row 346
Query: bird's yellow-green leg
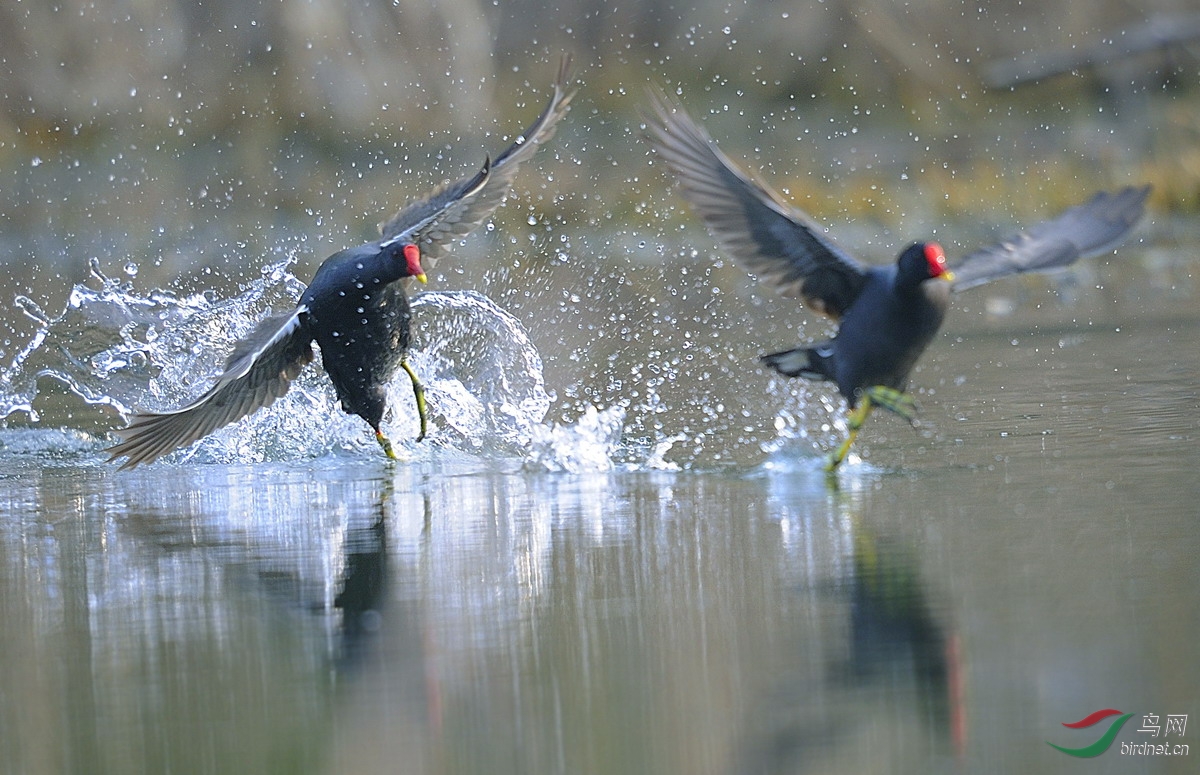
column 387, row 445
column 877, row 395
column 854, row 422
column 894, row 401
column 419, row 395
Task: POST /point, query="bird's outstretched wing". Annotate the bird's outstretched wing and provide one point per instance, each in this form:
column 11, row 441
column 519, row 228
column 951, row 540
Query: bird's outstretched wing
column 260, row 370
column 451, row 212
column 1094, row 227
column 773, row 240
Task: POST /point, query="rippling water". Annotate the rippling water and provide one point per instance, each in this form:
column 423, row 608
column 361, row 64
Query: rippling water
column 617, row 552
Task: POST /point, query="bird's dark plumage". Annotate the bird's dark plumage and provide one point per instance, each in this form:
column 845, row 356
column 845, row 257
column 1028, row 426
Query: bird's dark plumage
column 356, row 309
column 776, row 242
column 359, row 315
column 435, row 223
column 887, row 315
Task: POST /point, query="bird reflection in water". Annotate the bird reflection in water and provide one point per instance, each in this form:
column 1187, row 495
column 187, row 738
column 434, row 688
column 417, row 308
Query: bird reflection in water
column 390, row 696
column 364, row 589
column 364, row 599
column 893, row 695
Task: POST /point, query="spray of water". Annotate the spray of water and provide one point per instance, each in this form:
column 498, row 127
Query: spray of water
column 114, row 346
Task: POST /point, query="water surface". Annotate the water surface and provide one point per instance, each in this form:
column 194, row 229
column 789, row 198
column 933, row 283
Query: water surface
column 1024, row 557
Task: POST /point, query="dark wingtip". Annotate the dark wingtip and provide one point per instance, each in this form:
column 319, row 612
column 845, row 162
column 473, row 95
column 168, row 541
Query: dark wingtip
column 564, row 70
column 656, row 112
column 133, row 457
column 135, row 445
column 129, row 464
column 1127, row 204
column 1142, row 193
column 544, row 127
column 1129, row 197
column 115, row 454
column 666, row 122
column 564, row 86
column 122, row 449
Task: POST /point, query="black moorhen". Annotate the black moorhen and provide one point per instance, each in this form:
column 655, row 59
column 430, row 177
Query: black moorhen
column 356, row 309
column 887, row 315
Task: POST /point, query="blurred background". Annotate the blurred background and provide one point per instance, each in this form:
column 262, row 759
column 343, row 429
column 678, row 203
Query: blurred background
column 138, row 126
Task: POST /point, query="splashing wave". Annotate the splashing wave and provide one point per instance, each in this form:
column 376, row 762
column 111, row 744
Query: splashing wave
column 113, row 346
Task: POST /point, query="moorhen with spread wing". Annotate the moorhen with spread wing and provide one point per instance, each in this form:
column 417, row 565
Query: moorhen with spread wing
column 356, row 309
column 886, row 315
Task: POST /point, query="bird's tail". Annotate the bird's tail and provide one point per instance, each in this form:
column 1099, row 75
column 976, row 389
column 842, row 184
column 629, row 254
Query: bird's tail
column 808, row 362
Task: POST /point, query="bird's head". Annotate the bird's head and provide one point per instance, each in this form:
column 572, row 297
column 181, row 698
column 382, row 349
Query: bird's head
column 923, row 261
column 412, row 262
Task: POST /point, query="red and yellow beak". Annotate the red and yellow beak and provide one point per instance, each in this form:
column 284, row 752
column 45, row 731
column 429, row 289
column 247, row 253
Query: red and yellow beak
column 412, row 258
column 937, row 262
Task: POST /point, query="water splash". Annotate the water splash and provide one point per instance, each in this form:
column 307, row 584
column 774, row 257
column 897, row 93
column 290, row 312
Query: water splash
column 590, row 444
column 482, row 373
column 795, row 433
column 113, row 346
column 117, row 347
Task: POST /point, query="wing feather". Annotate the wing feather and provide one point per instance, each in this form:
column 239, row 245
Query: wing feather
column 773, row 240
column 1094, row 227
column 258, row 371
column 435, row 223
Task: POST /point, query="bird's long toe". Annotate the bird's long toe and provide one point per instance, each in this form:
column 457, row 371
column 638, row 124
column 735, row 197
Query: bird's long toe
column 894, row 401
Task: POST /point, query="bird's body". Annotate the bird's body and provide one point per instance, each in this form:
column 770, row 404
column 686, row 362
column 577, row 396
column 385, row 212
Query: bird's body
column 359, row 315
column 886, row 316
column 356, row 309
column 880, row 337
